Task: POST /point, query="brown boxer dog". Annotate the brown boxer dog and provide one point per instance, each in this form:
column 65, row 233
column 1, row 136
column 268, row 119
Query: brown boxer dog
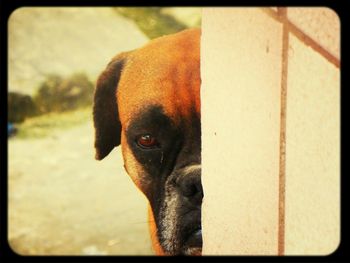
column 148, row 100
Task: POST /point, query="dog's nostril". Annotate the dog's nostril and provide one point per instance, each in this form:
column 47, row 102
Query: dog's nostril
column 191, row 188
column 189, row 184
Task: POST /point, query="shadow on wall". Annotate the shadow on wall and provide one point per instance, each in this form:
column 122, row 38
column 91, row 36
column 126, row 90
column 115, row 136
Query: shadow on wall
column 55, row 94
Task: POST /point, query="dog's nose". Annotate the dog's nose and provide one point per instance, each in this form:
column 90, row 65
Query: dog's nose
column 190, row 185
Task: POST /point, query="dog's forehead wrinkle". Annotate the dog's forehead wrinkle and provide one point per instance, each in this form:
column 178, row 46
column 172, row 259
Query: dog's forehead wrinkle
column 149, row 115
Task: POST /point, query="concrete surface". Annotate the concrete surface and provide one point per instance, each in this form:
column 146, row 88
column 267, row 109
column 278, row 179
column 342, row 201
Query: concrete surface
column 64, row 202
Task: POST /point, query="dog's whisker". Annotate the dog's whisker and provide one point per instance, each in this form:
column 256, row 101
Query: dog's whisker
column 142, row 222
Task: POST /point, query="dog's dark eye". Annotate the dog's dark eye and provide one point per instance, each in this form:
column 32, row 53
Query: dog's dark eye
column 147, row 141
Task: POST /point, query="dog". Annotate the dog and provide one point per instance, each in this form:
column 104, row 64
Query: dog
column 148, row 101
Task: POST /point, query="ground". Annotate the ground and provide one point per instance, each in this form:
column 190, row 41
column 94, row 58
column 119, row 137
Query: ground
column 62, row 201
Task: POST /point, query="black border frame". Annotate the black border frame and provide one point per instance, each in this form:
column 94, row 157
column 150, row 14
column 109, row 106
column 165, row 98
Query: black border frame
column 6, row 253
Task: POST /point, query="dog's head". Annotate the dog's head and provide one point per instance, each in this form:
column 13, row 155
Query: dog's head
column 148, row 100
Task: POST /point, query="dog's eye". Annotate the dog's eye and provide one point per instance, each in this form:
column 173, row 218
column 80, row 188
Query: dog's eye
column 147, row 141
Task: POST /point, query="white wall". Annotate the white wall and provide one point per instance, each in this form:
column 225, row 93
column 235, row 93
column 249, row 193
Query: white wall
column 258, row 200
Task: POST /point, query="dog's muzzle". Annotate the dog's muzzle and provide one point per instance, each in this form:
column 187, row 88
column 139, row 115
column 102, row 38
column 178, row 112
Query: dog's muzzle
column 191, row 193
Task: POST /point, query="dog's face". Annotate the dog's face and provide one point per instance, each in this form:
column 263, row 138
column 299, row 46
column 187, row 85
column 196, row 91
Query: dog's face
column 148, row 100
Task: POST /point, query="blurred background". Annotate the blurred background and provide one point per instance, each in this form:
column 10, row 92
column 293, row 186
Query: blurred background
column 61, row 200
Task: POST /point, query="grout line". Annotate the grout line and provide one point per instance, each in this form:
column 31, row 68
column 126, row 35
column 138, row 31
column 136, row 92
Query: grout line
column 280, row 17
column 282, row 155
column 282, row 12
column 313, row 44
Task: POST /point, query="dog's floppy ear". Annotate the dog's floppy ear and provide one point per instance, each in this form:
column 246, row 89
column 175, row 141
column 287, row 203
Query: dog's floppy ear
column 105, row 108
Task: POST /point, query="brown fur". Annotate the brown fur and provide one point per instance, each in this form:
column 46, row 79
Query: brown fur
column 156, row 66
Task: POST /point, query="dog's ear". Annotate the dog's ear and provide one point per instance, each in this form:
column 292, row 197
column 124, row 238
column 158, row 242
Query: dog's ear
column 105, row 108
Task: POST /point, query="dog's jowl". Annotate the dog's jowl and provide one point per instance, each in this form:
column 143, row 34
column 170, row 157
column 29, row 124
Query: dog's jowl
column 148, row 101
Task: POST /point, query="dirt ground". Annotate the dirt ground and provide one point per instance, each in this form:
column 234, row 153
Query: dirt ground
column 64, row 202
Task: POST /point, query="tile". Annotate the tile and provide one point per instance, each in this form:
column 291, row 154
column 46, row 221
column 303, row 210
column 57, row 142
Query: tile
column 320, row 23
column 241, row 80
column 313, row 153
